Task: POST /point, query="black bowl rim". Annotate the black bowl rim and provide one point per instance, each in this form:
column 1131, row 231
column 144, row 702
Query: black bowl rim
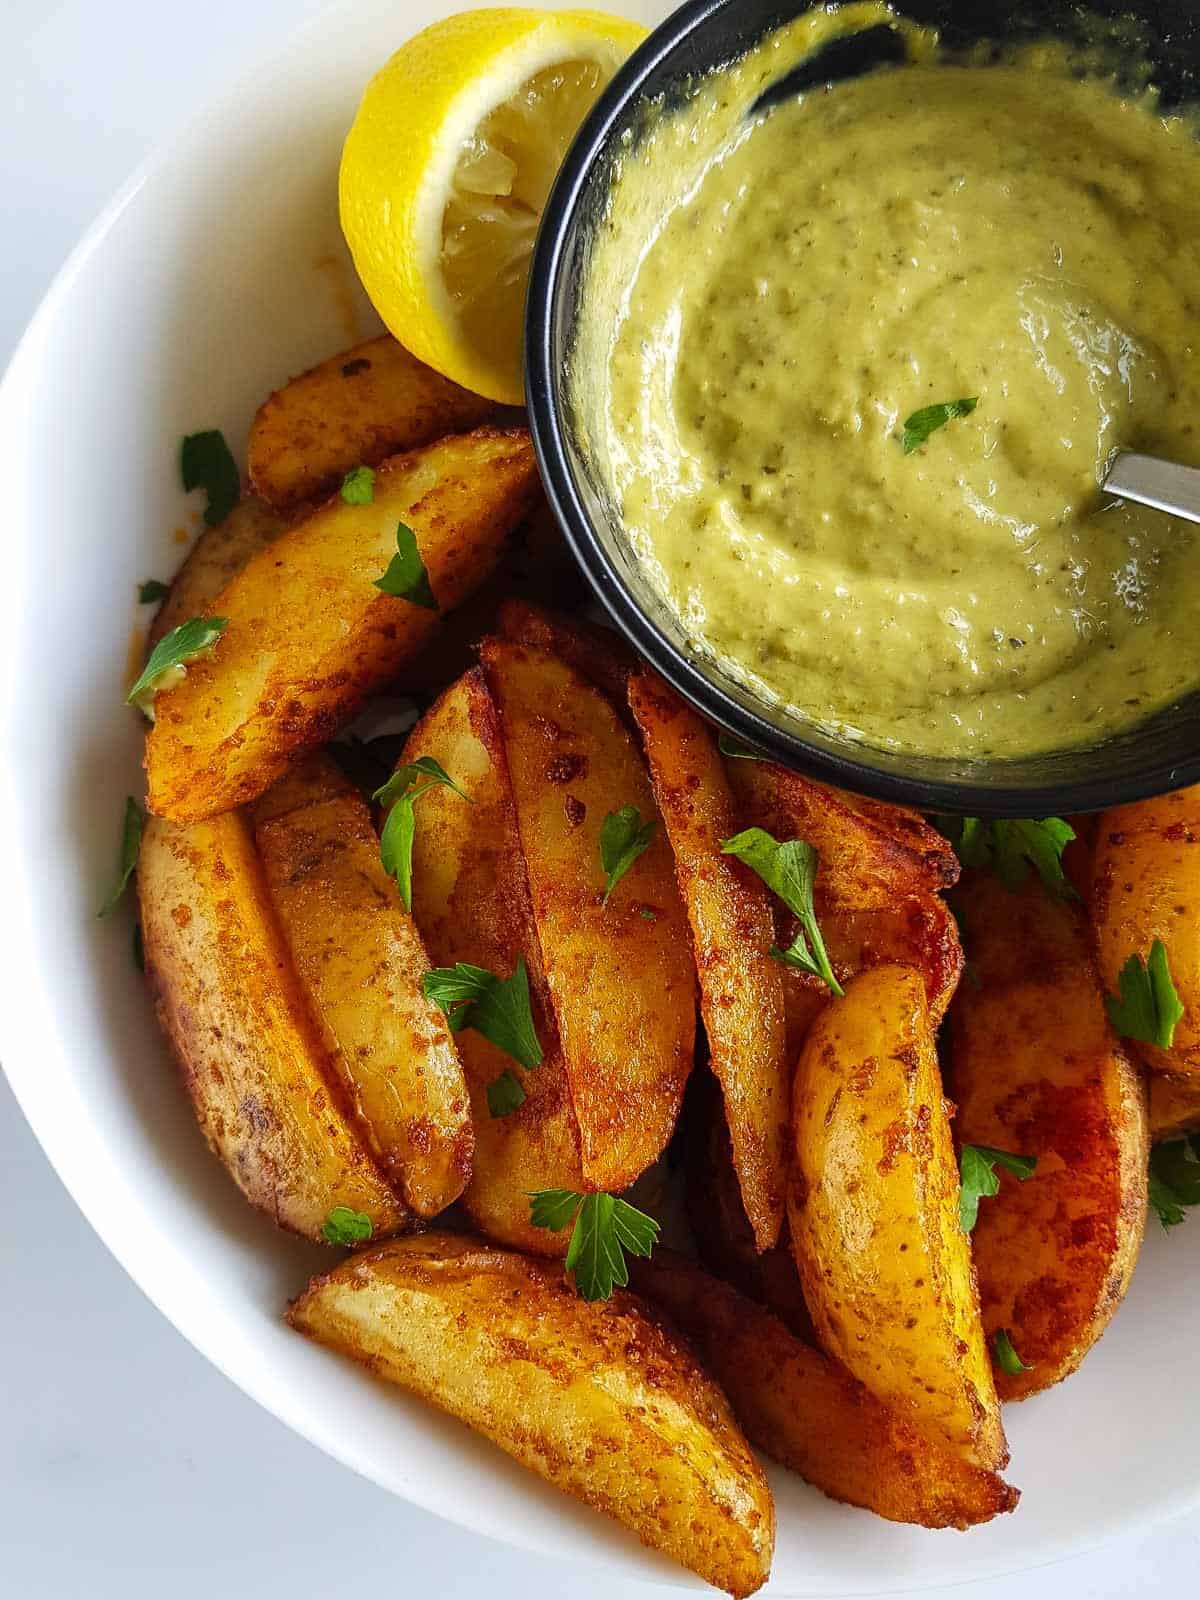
column 543, row 379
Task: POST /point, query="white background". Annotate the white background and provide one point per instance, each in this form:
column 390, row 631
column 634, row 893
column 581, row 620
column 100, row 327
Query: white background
column 128, row 1466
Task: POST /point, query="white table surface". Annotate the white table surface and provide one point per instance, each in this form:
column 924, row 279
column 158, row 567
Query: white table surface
column 128, row 1466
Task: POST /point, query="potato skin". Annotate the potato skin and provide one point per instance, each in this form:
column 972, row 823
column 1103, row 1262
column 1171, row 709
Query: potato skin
column 878, row 889
column 873, row 1211
column 309, row 636
column 604, row 1401
column 733, row 929
column 355, row 409
column 263, row 1088
column 471, row 903
column 216, row 557
column 1146, row 886
column 360, row 961
column 805, row 1410
column 1174, row 1106
column 1036, row 1070
column 623, row 986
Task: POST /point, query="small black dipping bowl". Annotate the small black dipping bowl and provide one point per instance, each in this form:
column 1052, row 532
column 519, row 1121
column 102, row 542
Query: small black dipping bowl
column 1161, row 753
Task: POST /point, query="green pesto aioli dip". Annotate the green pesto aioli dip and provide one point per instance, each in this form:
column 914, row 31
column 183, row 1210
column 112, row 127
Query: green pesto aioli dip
column 772, row 295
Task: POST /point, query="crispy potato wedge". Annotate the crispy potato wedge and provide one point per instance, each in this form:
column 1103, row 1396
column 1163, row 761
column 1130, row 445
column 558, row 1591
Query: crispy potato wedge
column 471, row 903
column 877, row 892
column 265, row 1092
column 873, row 1210
column 1146, row 886
column 310, row 635
column 1174, row 1106
column 355, row 409
column 733, row 929
column 217, row 556
column 623, row 985
column 596, row 653
column 360, row 960
column 805, row 1410
column 724, row 1238
column 603, row 1401
column 1036, row 1070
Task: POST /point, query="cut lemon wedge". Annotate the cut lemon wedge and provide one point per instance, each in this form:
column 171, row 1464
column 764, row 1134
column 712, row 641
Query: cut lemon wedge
column 446, row 170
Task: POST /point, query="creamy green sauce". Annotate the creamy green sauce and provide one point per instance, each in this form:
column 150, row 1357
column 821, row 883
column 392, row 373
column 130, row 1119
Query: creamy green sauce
column 772, row 295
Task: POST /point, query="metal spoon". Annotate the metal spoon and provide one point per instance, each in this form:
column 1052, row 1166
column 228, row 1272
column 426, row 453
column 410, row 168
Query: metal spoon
column 1164, row 485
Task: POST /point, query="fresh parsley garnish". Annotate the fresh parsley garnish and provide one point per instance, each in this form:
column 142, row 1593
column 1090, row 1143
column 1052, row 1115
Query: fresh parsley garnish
column 498, row 1008
column 358, row 486
column 132, row 827
column 406, row 577
column 1175, row 1179
column 1149, row 1006
column 206, row 462
column 606, row 1229
column 505, row 1094
column 150, row 591
column 735, row 750
column 789, row 870
column 647, row 915
column 1006, row 1357
column 929, row 419
column 346, row 1226
column 401, row 793
column 977, row 1168
column 1011, row 847
column 623, row 838
column 169, row 659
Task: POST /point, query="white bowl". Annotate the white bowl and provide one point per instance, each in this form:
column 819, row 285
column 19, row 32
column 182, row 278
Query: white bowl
column 216, row 273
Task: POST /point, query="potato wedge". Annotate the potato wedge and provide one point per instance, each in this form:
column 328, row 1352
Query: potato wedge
column 355, row 409
column 873, row 1210
column 596, row 653
column 310, row 635
column 1174, row 1106
column 217, row 556
column 471, row 903
column 724, row 1238
column 805, row 1410
column 1146, row 886
column 622, row 984
column 360, row 961
column 733, row 929
column 263, row 1087
column 877, row 892
column 604, row 1401
column 1036, row 1070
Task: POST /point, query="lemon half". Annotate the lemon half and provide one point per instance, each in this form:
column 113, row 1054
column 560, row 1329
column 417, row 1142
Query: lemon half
column 447, row 168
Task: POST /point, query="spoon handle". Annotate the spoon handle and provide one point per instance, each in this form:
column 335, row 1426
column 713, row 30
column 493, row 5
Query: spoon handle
column 1165, row 485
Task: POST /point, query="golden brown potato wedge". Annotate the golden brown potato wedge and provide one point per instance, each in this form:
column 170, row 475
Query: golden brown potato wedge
column 805, row 1410
column 604, row 1401
column 310, row 635
column 360, row 960
column 873, row 1210
column 1174, row 1106
column 596, row 653
column 355, row 409
column 471, row 903
column 733, row 929
column 217, row 556
column 622, row 983
column 877, row 891
column 263, row 1087
column 1037, row 1071
column 724, row 1238
column 1146, row 886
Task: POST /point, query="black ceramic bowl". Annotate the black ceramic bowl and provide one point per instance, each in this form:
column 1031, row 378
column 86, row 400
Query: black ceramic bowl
column 1162, row 753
